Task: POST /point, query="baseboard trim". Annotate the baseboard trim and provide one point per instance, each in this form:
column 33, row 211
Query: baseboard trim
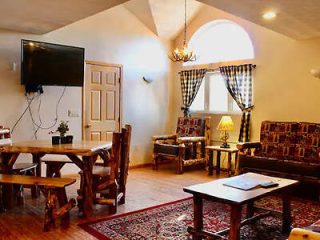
column 143, row 165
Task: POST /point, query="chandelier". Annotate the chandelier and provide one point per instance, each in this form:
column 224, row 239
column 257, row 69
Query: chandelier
column 183, row 54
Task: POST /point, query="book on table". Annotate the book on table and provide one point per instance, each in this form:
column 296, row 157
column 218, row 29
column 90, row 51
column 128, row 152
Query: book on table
column 248, row 182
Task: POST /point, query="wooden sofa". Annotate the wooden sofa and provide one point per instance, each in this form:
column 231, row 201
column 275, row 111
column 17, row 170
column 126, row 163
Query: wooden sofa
column 285, row 149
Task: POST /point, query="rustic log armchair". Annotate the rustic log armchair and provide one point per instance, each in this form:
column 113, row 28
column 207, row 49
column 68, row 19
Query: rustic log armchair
column 187, row 146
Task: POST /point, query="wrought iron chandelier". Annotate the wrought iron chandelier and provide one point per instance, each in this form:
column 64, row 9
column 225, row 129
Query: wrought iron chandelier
column 183, row 54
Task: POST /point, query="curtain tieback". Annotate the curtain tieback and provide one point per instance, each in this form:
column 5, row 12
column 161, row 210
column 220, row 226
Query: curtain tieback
column 248, row 109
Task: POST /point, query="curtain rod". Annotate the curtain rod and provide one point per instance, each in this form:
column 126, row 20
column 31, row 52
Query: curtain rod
column 214, row 69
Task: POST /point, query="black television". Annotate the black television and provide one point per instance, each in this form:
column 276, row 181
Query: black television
column 48, row 64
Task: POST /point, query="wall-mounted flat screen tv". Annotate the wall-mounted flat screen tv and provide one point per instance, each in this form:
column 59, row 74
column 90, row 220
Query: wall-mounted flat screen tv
column 48, row 64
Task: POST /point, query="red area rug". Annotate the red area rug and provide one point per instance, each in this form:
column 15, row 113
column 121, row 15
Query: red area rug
column 170, row 221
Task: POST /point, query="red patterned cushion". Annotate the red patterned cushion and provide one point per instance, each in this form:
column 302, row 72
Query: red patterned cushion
column 190, row 127
column 307, row 147
column 278, row 139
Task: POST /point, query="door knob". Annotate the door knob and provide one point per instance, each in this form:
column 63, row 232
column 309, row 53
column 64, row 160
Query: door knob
column 88, row 126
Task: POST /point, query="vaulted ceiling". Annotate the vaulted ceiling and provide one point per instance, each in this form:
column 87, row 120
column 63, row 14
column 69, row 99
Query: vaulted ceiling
column 298, row 19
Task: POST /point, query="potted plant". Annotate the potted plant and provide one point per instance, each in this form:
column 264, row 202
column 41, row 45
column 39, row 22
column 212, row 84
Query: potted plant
column 62, row 129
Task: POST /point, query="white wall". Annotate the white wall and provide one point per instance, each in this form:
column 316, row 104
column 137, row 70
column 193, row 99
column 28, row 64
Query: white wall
column 113, row 36
column 283, row 89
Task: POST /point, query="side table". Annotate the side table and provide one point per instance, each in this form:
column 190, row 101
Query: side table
column 218, row 149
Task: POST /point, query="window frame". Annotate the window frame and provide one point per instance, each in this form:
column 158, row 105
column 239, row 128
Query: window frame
column 230, row 111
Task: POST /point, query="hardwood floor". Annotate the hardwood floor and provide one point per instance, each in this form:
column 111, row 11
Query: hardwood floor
column 145, row 188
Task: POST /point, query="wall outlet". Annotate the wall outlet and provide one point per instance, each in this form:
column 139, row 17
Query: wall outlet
column 73, row 113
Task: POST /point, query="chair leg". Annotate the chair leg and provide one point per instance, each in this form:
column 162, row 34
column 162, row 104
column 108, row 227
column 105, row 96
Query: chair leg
column 114, row 193
column 123, row 198
column 155, row 161
column 19, row 194
column 2, row 209
column 34, row 193
column 182, row 151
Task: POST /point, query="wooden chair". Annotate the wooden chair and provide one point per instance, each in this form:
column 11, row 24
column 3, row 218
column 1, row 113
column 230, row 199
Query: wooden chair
column 186, row 146
column 18, row 168
column 109, row 181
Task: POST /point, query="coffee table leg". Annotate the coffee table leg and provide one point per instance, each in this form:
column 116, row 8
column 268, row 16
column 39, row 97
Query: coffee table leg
column 286, row 215
column 218, row 163
column 210, row 162
column 197, row 216
column 234, row 233
column 250, row 209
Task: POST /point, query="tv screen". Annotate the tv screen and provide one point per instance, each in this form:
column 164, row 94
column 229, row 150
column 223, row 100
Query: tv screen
column 51, row 64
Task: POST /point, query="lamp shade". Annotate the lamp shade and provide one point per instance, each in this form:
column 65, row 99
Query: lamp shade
column 225, row 124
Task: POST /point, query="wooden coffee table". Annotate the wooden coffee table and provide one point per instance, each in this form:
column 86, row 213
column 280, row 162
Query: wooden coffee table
column 236, row 198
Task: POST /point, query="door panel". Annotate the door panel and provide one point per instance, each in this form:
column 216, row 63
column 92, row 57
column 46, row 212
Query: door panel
column 101, row 108
column 95, row 105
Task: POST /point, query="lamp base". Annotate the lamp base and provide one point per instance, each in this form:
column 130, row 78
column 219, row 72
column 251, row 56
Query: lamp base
column 225, row 145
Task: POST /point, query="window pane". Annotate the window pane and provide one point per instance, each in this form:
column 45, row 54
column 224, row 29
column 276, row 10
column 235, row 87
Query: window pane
column 235, row 106
column 220, row 40
column 198, row 103
column 218, row 97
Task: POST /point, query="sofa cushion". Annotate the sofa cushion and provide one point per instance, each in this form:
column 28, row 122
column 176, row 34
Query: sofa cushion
column 278, row 139
column 307, row 145
column 287, row 167
column 258, row 162
column 299, row 169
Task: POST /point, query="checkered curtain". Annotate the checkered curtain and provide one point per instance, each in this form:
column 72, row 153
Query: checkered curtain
column 238, row 80
column 190, row 83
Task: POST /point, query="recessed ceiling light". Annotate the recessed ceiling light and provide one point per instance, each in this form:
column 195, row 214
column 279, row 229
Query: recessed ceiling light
column 269, row 15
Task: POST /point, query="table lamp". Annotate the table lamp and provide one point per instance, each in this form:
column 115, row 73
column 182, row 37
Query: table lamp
column 225, row 125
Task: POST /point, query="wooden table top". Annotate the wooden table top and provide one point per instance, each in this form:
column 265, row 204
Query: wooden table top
column 218, row 148
column 215, row 190
column 81, row 148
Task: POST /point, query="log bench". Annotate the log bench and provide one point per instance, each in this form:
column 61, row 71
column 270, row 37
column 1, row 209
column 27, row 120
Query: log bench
column 55, row 192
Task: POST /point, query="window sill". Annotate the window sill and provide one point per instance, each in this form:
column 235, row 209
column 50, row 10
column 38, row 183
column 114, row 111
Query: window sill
column 217, row 112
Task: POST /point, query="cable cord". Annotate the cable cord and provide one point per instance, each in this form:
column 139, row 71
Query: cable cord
column 38, row 126
column 21, row 116
column 56, row 117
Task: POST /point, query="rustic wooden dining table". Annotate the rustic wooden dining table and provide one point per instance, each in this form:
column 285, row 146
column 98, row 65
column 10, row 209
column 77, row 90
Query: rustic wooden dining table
column 82, row 153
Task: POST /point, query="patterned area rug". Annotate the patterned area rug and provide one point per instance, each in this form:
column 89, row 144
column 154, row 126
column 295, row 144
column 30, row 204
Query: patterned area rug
column 170, row 221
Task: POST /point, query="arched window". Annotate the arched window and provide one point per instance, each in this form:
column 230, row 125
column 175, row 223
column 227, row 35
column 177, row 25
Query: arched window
column 218, row 41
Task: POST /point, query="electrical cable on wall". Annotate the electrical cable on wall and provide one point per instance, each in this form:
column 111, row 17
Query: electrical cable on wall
column 38, row 126
column 21, row 116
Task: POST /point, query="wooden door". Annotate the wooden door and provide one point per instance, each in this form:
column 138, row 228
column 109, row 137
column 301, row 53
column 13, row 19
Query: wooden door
column 102, row 106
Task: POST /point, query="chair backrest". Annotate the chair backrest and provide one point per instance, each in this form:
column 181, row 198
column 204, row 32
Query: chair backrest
column 194, row 127
column 115, row 155
column 190, row 127
column 5, row 136
column 125, row 152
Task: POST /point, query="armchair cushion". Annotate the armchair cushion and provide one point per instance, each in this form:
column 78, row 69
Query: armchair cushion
column 190, row 127
column 166, row 149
